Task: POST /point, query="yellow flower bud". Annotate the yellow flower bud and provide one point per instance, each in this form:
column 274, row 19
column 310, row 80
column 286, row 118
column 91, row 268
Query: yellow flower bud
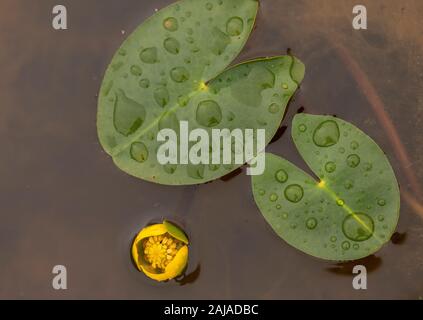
column 161, row 251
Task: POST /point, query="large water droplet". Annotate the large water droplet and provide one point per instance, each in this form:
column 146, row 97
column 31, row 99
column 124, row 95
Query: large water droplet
column 172, row 45
column 340, row 202
column 161, row 96
column 129, row 115
column 326, row 134
column 171, row 24
column 330, row 167
column 353, row 160
column 294, row 193
column 149, row 55
column 358, row 227
column 219, row 41
column 209, row 114
column 235, row 26
column 281, row 176
column 139, row 152
column 311, row 223
column 136, row 70
column 248, row 90
column 179, row 74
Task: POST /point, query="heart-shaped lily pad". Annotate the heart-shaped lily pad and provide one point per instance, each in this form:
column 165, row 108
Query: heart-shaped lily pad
column 171, row 69
column 346, row 214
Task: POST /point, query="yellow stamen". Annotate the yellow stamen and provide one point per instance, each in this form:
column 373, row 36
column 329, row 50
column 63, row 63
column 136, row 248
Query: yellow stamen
column 160, row 250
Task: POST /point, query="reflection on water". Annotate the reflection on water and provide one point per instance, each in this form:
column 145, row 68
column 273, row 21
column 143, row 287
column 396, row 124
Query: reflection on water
column 399, row 238
column 372, row 263
column 64, row 202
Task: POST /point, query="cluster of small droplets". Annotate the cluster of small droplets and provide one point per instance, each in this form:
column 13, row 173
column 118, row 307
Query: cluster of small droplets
column 159, row 251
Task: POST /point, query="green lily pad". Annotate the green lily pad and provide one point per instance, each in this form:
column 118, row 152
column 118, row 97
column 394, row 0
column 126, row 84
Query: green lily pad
column 350, row 211
column 172, row 69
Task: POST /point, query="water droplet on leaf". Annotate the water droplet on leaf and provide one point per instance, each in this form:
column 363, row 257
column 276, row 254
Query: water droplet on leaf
column 311, row 223
column 144, row 83
column 149, row 55
column 209, row 114
column 273, row 197
column 179, row 74
column 302, row 128
column 170, row 168
column 294, row 193
column 234, row 26
column 354, row 145
column 136, row 70
column 353, row 160
column 358, row 227
column 368, row 166
column 281, row 176
column 330, row 167
column 139, row 152
column 161, row 96
column 172, row 45
column 129, row 115
column 171, row 24
column 346, row 245
column 326, row 134
column 196, row 171
column 274, row 108
column 349, row 184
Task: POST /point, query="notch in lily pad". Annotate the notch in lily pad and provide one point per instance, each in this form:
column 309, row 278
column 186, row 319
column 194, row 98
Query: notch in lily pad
column 160, row 251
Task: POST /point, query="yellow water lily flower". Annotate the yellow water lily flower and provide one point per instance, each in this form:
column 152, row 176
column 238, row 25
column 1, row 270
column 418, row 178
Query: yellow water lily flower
column 161, row 251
